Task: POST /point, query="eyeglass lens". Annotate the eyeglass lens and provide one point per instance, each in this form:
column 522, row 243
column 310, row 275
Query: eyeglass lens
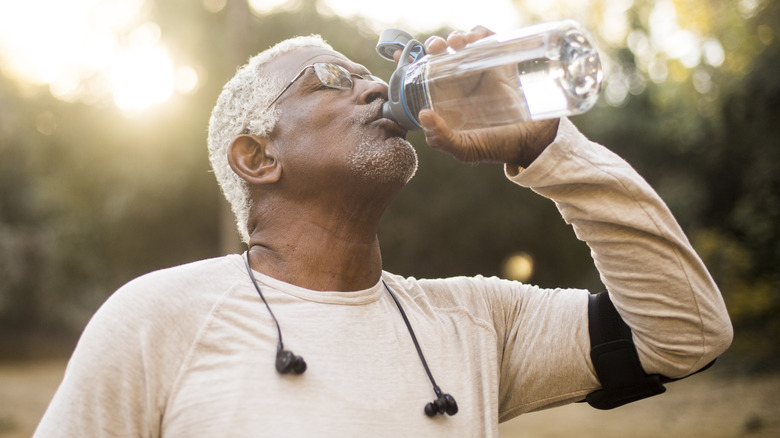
column 333, row 76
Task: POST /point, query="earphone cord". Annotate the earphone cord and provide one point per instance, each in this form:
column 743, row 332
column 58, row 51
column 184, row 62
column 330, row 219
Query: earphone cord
column 414, row 339
column 280, row 345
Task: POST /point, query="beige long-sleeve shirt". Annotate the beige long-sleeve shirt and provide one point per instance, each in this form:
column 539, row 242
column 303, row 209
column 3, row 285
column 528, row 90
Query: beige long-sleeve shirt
column 189, row 351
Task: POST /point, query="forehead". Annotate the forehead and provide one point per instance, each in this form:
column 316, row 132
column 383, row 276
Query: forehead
column 293, row 61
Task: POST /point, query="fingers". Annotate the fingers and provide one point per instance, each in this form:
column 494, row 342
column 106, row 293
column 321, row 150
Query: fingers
column 519, row 143
column 461, row 145
column 437, row 134
column 397, row 56
column 435, row 45
column 479, row 32
column 456, row 40
column 434, row 127
column 459, row 39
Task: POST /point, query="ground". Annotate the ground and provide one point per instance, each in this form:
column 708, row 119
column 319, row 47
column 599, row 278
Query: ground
column 705, row 405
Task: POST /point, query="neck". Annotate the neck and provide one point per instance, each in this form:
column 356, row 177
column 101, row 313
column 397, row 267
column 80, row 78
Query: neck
column 340, row 254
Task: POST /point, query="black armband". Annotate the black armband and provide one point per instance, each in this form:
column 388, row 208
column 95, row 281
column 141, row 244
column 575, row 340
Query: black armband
column 614, row 356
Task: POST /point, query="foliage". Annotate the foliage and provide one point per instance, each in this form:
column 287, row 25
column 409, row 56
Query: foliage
column 713, row 155
column 86, row 206
column 90, row 198
column 741, row 224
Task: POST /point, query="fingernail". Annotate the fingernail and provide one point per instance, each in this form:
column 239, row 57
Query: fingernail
column 426, row 119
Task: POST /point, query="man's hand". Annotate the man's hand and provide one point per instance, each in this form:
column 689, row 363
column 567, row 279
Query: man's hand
column 517, row 144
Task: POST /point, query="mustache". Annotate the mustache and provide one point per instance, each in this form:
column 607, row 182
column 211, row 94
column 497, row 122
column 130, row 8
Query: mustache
column 369, row 113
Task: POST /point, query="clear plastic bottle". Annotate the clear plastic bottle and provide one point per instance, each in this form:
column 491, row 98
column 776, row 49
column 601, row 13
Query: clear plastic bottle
column 540, row 72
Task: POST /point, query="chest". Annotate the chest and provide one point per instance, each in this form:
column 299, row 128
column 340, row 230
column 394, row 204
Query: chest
column 364, row 374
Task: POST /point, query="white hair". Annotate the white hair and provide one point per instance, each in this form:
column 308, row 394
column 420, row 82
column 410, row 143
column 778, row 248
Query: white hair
column 241, row 108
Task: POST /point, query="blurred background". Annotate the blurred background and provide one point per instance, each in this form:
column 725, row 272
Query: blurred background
column 104, row 107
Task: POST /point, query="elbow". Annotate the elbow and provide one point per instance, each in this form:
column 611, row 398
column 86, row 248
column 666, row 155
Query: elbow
column 718, row 339
column 717, row 334
column 710, row 335
column 677, row 357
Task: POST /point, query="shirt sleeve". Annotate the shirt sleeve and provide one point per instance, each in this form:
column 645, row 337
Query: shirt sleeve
column 116, row 382
column 657, row 282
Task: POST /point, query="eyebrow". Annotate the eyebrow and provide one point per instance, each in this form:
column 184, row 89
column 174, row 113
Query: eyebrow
column 362, row 69
column 348, row 65
column 352, row 68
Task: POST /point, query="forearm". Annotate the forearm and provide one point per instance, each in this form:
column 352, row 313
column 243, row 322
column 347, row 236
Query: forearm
column 657, row 282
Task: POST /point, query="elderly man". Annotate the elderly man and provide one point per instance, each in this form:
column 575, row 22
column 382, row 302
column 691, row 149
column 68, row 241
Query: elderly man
column 300, row 149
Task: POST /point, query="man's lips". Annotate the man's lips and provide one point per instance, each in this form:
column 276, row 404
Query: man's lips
column 386, row 124
column 391, row 126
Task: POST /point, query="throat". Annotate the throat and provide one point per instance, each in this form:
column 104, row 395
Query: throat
column 315, row 264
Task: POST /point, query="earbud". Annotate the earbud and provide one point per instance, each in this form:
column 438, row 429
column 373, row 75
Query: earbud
column 444, row 404
column 287, row 362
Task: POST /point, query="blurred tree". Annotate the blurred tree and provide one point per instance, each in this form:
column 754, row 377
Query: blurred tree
column 741, row 222
column 700, row 125
column 91, row 197
column 21, row 214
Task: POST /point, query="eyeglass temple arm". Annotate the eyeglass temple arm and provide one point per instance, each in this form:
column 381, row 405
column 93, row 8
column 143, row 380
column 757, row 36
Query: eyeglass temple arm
column 289, row 84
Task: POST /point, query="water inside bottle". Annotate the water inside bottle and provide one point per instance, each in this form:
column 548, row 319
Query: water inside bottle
column 539, row 77
column 480, row 99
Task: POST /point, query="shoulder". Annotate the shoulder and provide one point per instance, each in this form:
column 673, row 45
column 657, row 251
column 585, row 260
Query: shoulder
column 158, row 314
column 177, row 298
column 478, row 295
column 121, row 372
column 459, row 288
column 490, row 297
column 190, row 283
column 215, row 273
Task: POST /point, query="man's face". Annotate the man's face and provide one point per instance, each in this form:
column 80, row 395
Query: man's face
column 339, row 136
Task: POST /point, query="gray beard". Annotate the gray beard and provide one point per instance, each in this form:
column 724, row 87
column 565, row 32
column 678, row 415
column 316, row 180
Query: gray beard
column 391, row 160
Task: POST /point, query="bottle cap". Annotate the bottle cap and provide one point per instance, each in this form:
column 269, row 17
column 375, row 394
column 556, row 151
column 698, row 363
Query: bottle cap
column 391, row 40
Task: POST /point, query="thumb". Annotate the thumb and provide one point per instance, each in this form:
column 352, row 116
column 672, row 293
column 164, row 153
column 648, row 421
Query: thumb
column 440, row 137
column 437, row 134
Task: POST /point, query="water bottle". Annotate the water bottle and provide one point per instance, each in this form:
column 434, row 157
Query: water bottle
column 540, row 72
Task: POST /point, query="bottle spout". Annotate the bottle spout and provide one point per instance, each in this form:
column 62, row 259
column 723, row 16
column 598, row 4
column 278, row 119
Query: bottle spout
column 397, row 112
column 387, row 112
column 396, row 108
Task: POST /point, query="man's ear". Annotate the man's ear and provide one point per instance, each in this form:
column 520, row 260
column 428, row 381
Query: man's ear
column 252, row 160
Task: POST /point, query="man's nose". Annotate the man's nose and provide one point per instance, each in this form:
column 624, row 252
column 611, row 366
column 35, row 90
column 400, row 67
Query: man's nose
column 370, row 91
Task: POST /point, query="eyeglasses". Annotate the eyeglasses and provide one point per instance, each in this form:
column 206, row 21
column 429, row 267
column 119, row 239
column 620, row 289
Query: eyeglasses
column 331, row 76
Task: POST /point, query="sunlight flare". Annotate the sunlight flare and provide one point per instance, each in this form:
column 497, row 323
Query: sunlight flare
column 91, row 51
